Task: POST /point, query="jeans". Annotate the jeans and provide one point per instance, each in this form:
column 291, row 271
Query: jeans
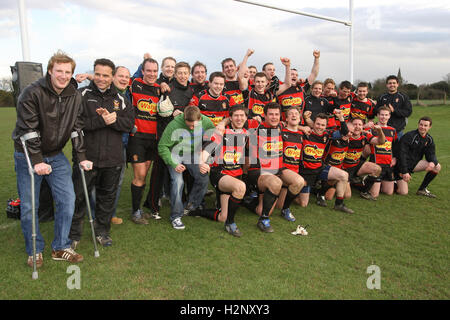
column 176, row 191
column 61, row 186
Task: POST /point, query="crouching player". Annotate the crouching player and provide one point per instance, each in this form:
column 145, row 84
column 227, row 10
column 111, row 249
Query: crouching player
column 269, row 173
column 414, row 145
column 292, row 147
column 228, row 151
column 312, row 168
column 382, row 155
column 352, row 161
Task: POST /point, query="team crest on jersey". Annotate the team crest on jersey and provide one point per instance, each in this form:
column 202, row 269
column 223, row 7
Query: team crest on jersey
column 116, row 105
column 224, row 105
column 313, row 151
column 396, row 100
column 321, row 103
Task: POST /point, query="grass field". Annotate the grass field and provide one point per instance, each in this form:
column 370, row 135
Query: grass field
column 406, row 237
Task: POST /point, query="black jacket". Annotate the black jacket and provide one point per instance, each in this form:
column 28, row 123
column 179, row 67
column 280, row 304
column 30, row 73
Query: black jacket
column 180, row 96
column 104, row 145
column 53, row 116
column 402, row 109
column 412, row 148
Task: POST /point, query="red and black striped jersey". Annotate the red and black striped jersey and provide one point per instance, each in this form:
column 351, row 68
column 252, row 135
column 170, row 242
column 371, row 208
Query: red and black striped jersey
column 215, row 108
column 361, row 109
column 382, row 154
column 256, row 102
column 355, row 149
column 292, row 97
column 335, row 152
column 269, row 149
column 292, row 147
column 251, row 124
column 332, row 121
column 345, row 105
column 230, row 151
column 145, row 98
column 233, row 90
column 313, row 150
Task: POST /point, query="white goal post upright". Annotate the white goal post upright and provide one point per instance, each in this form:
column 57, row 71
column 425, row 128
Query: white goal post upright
column 348, row 23
column 24, row 30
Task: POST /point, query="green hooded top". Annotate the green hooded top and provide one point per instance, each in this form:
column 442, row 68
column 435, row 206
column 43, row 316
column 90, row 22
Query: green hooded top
column 178, row 135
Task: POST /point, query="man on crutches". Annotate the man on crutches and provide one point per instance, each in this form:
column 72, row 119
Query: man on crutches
column 48, row 114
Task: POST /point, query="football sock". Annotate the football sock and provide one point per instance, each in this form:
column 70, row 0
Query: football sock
column 211, row 214
column 368, row 183
column 339, row 201
column 268, row 201
column 233, row 205
column 136, row 196
column 428, row 178
column 289, row 198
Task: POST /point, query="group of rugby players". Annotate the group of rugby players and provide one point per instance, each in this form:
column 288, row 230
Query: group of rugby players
column 273, row 144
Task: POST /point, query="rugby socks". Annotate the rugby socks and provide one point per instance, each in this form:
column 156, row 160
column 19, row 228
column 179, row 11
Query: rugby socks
column 233, row 205
column 368, row 183
column 289, row 198
column 211, row 214
column 339, row 201
column 428, row 178
column 268, row 201
column 325, row 187
column 136, row 196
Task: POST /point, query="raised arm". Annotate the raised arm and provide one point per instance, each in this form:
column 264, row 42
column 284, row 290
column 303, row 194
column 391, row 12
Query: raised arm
column 243, row 81
column 315, row 68
column 287, row 76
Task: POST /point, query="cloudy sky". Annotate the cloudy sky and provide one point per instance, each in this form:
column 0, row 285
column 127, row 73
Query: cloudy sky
column 408, row 34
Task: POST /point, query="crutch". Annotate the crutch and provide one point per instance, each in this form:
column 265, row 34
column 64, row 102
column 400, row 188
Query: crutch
column 74, row 135
column 23, row 139
column 88, row 206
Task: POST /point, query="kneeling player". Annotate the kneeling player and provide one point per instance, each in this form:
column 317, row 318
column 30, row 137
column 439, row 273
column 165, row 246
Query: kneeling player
column 229, row 150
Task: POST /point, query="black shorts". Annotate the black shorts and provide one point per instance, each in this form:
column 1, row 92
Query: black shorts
column 311, row 177
column 215, row 176
column 387, row 174
column 140, row 150
column 253, row 176
column 352, row 173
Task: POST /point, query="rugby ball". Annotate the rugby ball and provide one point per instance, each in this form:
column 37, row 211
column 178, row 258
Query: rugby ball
column 165, row 107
